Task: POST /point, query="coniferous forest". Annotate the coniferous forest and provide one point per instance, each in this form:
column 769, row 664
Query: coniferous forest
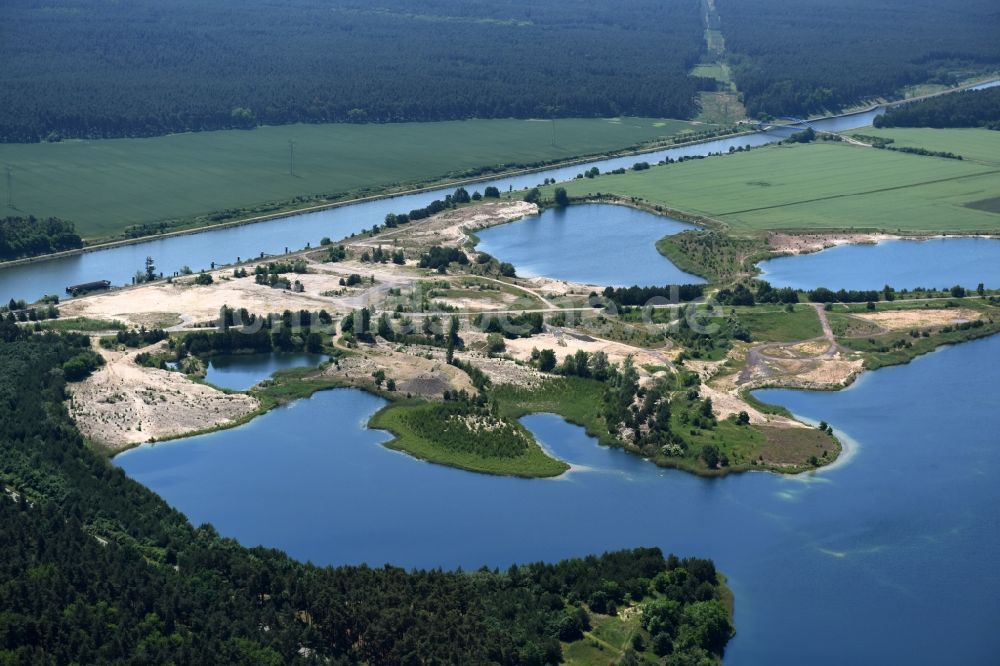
column 201, row 65
column 800, row 57
column 973, row 108
column 146, row 68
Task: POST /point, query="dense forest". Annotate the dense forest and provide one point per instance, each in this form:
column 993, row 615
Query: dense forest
column 798, row 57
column 94, row 568
column 973, row 108
column 89, row 68
column 30, row 237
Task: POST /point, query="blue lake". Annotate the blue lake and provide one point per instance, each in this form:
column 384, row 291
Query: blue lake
column 938, row 263
column 592, row 243
column 241, row 371
column 890, row 557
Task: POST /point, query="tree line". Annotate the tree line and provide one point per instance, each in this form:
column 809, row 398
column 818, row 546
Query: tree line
column 636, row 295
column 31, row 236
column 971, row 108
column 287, row 332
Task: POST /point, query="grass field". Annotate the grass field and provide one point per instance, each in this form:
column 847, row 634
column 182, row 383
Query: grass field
column 713, row 70
column 104, row 186
column 981, row 145
column 773, row 324
column 817, row 186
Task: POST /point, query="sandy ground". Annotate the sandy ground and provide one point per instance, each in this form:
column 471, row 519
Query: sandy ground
column 565, row 344
column 826, row 371
column 198, row 303
column 451, row 227
column 504, row 370
column 805, row 243
column 920, row 318
column 724, row 393
column 413, row 372
column 123, row 404
column 490, row 300
column 163, row 305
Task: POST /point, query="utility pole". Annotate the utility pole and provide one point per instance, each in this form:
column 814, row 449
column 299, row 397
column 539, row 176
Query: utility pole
column 10, row 187
column 291, row 157
column 553, row 131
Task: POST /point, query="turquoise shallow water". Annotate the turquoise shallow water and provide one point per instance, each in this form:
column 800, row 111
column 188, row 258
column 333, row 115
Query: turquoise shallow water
column 938, row 263
column 891, row 557
column 594, row 244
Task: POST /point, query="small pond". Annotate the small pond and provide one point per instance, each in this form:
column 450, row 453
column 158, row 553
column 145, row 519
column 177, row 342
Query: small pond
column 238, row 372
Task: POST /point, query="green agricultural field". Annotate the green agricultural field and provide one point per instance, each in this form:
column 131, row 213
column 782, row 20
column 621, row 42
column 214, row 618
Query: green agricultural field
column 981, row 145
column 105, row 186
column 818, row 186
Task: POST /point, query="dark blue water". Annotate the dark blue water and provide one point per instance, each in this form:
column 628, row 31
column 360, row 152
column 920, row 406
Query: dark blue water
column 119, row 264
column 938, row 263
column 594, row 244
column 891, row 557
column 241, row 371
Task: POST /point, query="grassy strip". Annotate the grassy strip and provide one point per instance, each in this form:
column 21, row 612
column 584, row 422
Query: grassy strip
column 875, row 358
column 763, row 407
column 915, row 304
column 84, row 324
column 533, row 463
